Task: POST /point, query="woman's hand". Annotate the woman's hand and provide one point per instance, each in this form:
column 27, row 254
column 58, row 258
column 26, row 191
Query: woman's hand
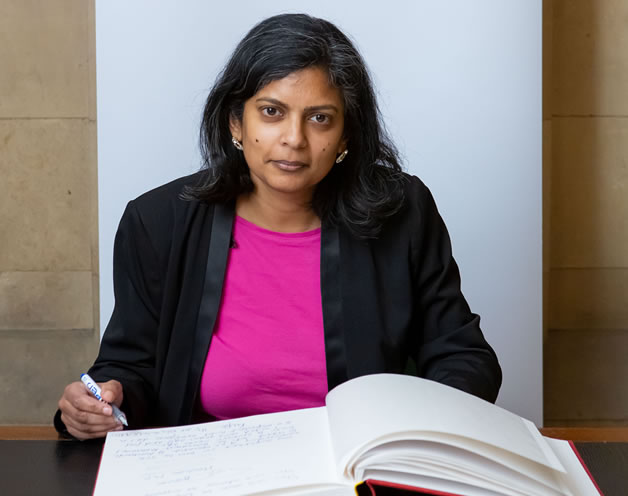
column 84, row 416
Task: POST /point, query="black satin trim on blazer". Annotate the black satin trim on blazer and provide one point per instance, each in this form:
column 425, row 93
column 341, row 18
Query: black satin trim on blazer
column 217, row 255
column 335, row 353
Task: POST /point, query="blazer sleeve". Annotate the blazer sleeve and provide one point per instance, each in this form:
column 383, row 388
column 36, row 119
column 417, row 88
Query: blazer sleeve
column 128, row 348
column 451, row 348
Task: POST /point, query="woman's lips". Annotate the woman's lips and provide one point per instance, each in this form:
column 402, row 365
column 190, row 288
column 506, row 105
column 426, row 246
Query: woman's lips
column 288, row 165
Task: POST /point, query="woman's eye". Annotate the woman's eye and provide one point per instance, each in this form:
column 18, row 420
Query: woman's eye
column 270, row 111
column 320, row 118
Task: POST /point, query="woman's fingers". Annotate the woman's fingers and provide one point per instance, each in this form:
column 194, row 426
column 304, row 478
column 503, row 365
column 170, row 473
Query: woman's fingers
column 88, row 431
column 112, row 392
column 86, row 417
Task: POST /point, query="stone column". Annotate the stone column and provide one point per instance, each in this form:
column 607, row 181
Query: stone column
column 48, row 203
column 587, row 341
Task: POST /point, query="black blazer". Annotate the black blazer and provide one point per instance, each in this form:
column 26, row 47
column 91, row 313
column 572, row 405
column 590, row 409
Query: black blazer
column 384, row 301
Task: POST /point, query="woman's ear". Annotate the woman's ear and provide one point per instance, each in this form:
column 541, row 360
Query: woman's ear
column 342, row 146
column 235, row 126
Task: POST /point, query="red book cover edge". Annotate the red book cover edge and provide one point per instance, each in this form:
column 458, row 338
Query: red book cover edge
column 584, row 466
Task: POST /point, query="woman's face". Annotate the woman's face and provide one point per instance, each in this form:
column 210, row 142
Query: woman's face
column 292, row 132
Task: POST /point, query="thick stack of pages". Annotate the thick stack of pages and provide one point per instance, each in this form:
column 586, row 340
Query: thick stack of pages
column 396, row 429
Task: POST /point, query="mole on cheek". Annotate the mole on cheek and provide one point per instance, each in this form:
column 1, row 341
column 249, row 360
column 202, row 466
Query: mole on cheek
column 256, row 140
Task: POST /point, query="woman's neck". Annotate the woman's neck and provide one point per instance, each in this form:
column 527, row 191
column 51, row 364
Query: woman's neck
column 277, row 213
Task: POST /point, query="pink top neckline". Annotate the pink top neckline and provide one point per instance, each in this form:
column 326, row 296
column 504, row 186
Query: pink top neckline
column 247, row 224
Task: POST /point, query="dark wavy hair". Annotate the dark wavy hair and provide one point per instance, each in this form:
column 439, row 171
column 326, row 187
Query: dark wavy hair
column 361, row 192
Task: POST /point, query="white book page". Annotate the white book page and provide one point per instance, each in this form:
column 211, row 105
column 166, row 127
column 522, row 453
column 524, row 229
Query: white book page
column 375, row 407
column 234, row 457
column 327, row 491
column 508, row 462
column 577, row 479
column 415, row 457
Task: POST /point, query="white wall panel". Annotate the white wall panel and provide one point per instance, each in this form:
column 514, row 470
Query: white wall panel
column 459, row 85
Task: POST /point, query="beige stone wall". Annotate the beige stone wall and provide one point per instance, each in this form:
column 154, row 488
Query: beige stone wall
column 586, row 163
column 48, row 202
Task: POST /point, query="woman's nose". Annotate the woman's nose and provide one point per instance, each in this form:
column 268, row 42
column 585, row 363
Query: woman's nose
column 294, row 133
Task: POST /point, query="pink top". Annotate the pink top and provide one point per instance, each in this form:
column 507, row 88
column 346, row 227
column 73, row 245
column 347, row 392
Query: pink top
column 267, row 353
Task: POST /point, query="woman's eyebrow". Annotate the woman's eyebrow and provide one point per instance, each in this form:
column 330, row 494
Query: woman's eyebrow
column 312, row 108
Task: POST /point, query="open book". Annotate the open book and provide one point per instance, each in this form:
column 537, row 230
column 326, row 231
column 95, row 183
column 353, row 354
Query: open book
column 399, row 429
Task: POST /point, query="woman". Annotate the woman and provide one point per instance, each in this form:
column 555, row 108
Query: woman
column 300, row 252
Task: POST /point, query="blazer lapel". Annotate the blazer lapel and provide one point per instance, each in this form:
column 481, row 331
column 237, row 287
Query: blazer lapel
column 335, row 352
column 218, row 253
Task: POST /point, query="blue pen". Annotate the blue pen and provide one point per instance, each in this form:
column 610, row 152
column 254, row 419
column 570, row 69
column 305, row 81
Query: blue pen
column 93, row 388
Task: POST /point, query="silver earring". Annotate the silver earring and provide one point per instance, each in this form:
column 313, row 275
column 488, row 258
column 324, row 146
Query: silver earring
column 236, row 143
column 342, row 156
